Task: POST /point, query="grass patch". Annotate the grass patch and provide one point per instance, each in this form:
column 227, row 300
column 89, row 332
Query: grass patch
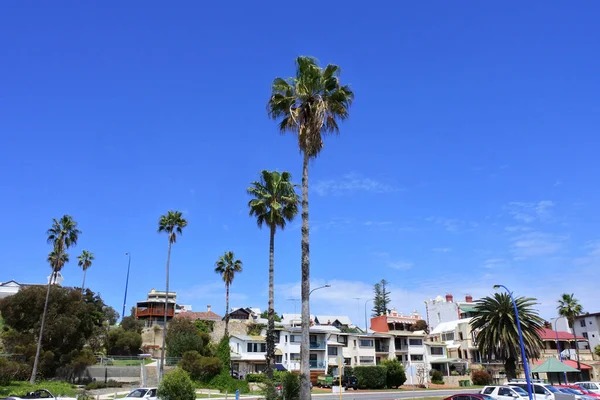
column 56, row 388
column 131, row 363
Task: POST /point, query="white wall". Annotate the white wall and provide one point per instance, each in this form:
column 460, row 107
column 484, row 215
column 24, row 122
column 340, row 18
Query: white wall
column 440, row 311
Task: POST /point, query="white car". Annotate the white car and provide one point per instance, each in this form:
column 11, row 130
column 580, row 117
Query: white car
column 143, row 393
column 41, row 394
column 541, row 391
column 505, row 392
column 593, row 387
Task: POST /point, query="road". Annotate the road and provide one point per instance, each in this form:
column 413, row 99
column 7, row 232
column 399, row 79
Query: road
column 351, row 395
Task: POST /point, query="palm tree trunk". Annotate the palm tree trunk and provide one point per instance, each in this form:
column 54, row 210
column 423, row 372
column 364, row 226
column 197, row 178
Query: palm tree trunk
column 271, row 312
column 39, row 344
column 305, row 343
column 576, row 350
column 510, row 368
column 164, row 341
column 227, row 309
column 83, row 284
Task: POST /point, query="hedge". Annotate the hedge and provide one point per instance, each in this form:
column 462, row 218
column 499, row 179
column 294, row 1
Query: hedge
column 372, row 377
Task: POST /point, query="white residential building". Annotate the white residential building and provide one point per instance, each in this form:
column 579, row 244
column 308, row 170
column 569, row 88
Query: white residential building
column 587, row 326
column 440, row 310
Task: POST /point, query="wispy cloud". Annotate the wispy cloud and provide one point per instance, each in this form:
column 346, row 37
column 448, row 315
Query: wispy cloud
column 442, row 249
column 518, row 228
column 350, row 183
column 393, row 263
column 536, row 244
column 378, row 223
column 453, row 224
column 530, row 212
column 492, row 263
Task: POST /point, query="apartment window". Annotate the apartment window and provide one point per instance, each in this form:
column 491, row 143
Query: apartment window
column 286, row 338
column 295, row 338
column 460, row 336
column 582, row 323
column 447, row 336
column 415, row 342
column 437, row 351
column 585, row 335
column 347, row 361
column 366, row 360
column 332, row 351
column 366, row 343
column 355, row 343
column 295, row 357
column 257, row 348
column 416, row 357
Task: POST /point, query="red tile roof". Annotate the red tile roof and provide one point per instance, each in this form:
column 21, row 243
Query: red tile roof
column 549, row 334
column 203, row 315
column 573, row 364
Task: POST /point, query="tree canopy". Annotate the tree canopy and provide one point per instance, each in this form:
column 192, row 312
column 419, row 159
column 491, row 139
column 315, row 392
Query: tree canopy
column 381, row 298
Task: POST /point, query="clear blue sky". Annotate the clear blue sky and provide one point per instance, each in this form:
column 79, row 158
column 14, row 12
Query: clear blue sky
column 470, row 158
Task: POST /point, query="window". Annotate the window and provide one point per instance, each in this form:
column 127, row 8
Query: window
column 332, row 351
column 355, row 343
column 582, row 323
column 366, row 343
column 286, row 338
column 416, row 357
column 460, row 336
column 437, row 351
column 415, row 342
column 278, row 359
column 257, row 347
column 504, row 392
column 488, row 390
column 295, row 338
column 295, row 357
column 366, row 360
column 347, row 361
column 447, row 336
column 585, row 335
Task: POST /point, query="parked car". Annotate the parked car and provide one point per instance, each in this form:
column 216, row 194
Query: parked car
column 469, row 396
column 324, row 380
column 593, row 387
column 348, row 382
column 40, row 394
column 505, row 392
column 541, row 391
column 143, row 393
column 577, row 393
column 583, row 391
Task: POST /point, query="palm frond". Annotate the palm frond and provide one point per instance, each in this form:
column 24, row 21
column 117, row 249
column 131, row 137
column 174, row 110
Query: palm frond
column 275, row 200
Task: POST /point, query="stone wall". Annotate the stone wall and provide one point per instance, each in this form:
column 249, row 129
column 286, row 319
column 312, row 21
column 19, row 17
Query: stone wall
column 236, row 327
column 452, row 381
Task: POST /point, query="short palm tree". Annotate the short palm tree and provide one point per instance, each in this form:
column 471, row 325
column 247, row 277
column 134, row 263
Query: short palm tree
column 85, row 261
column 497, row 335
column 62, row 235
column 569, row 307
column 171, row 223
column 274, row 203
column 227, row 266
column 309, row 105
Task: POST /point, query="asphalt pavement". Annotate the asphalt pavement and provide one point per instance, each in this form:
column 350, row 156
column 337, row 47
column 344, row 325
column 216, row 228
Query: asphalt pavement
column 392, row 395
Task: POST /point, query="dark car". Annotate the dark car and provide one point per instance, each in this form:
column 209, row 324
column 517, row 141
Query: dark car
column 469, row 396
column 348, row 382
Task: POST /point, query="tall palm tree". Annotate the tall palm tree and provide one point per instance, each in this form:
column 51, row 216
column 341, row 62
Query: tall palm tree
column 62, row 235
column 171, row 223
column 275, row 203
column 85, row 261
column 227, row 266
column 569, row 307
column 309, row 105
column 497, row 335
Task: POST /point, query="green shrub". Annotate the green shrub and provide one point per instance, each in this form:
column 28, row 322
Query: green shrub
column 224, row 353
column 225, row 383
column 111, row 383
column 200, row 368
column 176, row 385
column 436, row 377
column 290, row 386
column 371, row 377
column 348, row 371
column 257, row 378
column 396, row 376
column 481, row 378
column 7, row 371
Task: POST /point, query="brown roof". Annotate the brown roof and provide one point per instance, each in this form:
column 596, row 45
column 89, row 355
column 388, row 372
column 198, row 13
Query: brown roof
column 203, row 315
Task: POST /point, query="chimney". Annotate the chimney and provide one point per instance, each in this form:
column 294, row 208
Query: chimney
column 449, row 298
column 469, row 298
column 208, row 308
column 328, row 322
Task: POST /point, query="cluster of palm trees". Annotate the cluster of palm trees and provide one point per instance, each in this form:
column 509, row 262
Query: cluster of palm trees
column 62, row 235
column 497, row 336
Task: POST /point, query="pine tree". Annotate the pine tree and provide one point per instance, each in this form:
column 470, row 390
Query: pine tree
column 381, row 298
column 385, row 297
column 376, row 300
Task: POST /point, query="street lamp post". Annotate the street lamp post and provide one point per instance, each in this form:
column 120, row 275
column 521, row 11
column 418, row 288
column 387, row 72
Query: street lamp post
column 126, row 284
column 523, row 356
column 317, row 288
column 558, row 346
column 304, row 344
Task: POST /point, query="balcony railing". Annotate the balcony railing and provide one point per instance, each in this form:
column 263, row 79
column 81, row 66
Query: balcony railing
column 316, row 364
column 317, row 345
column 153, row 312
column 382, row 348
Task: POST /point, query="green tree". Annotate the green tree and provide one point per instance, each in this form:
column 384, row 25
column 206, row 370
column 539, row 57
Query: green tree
column 274, row 204
column 200, row 368
column 597, row 350
column 62, row 235
column 172, row 223
column 184, row 336
column 309, row 105
column 265, row 315
column 176, row 385
column 224, row 354
column 124, row 343
column 495, row 322
column 381, row 298
column 227, row 266
column 396, row 376
column 569, row 307
column 85, row 261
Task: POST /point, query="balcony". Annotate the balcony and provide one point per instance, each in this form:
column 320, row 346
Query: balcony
column 317, row 364
column 317, row 345
column 382, row 348
column 154, row 312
